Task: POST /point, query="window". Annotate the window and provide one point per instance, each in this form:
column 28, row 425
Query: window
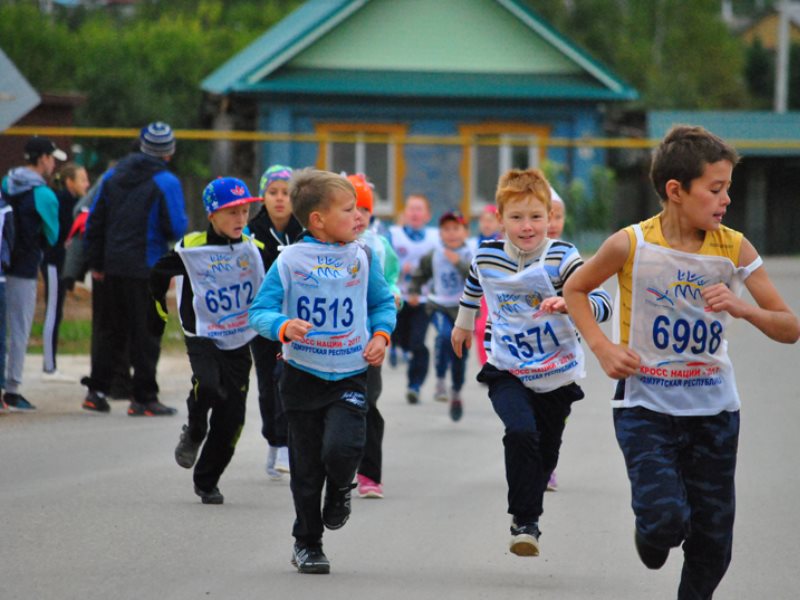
column 364, row 148
column 496, row 148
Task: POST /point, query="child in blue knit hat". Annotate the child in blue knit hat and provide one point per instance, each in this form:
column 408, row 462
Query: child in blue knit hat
column 274, row 226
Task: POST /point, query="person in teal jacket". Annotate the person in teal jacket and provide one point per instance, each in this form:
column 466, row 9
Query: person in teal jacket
column 35, row 210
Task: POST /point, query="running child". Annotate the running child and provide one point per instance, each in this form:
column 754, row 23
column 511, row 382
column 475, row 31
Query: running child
column 220, row 270
column 443, row 270
column 328, row 303
column 275, row 227
column 676, row 407
column 412, row 241
column 488, row 230
column 535, row 356
column 555, row 229
column 370, row 471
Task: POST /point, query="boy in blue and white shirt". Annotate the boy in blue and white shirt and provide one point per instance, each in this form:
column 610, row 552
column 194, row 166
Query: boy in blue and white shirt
column 330, row 306
column 534, row 353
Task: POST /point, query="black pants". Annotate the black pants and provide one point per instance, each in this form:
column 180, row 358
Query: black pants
column 325, row 443
column 534, row 423
column 268, row 369
column 220, row 380
column 121, row 324
column 409, row 335
column 373, row 449
column 54, row 292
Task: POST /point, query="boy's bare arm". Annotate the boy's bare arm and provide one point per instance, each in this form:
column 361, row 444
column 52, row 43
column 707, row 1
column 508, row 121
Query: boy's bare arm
column 617, row 361
column 771, row 315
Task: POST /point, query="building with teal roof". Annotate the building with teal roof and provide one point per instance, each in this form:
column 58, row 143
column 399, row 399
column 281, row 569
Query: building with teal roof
column 384, row 86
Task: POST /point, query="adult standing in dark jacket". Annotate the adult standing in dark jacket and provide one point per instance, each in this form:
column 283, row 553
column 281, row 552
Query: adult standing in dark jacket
column 138, row 210
column 276, row 227
column 36, row 224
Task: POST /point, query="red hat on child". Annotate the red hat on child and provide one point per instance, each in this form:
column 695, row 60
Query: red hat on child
column 453, row 215
column 364, row 195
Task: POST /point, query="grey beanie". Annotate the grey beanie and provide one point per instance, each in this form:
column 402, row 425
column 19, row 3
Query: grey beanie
column 157, row 140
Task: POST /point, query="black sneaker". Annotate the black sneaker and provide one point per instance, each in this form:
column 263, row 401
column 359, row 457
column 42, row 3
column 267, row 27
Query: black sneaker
column 524, row 539
column 651, row 556
column 150, row 409
column 310, row 559
column 212, row 497
column 96, row 401
column 17, row 402
column 186, row 450
column 336, row 509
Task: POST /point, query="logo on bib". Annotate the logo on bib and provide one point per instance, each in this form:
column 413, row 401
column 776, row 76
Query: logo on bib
column 507, row 303
column 687, row 285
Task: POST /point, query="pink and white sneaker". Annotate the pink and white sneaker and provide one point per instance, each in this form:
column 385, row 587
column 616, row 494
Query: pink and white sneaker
column 368, row 488
column 552, row 484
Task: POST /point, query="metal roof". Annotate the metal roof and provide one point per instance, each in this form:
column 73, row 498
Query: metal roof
column 263, row 66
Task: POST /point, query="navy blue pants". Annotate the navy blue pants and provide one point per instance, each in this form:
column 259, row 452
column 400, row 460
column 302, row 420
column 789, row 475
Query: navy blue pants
column 445, row 356
column 534, row 423
column 409, row 335
column 268, row 370
column 681, row 471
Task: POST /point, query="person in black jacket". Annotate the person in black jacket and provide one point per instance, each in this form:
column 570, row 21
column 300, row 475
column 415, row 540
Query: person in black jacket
column 138, row 209
column 275, row 227
column 222, row 270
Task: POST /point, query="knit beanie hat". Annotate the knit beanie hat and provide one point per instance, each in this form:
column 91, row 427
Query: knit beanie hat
column 364, row 196
column 157, row 140
column 274, row 173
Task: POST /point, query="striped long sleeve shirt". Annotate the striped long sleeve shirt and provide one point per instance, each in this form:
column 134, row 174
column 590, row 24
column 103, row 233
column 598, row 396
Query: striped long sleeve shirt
column 560, row 263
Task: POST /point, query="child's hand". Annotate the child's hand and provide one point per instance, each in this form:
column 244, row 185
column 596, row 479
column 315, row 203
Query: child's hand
column 296, row 329
column 375, row 351
column 398, row 301
column 413, row 300
column 459, row 338
column 618, row 361
column 720, row 298
column 453, row 257
column 554, row 304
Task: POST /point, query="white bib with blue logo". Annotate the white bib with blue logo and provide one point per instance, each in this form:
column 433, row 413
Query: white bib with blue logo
column 542, row 350
column 327, row 286
column 410, row 252
column 448, row 283
column 224, row 280
column 685, row 369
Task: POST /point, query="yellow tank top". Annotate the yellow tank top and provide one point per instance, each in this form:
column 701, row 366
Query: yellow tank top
column 724, row 242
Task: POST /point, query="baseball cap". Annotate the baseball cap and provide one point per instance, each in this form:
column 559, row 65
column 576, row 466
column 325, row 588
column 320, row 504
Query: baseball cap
column 452, row 215
column 225, row 192
column 40, row 146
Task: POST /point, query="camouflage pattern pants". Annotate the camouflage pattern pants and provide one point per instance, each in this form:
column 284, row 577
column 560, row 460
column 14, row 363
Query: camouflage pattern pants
column 681, row 471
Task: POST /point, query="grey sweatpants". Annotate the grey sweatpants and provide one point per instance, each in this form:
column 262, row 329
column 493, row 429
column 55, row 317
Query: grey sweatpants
column 20, row 305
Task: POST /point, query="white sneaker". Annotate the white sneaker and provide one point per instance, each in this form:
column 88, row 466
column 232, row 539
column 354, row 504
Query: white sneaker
column 282, row 461
column 57, row 377
column 440, row 395
column 272, row 472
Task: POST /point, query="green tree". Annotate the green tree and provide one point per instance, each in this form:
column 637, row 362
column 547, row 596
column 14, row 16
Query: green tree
column 677, row 53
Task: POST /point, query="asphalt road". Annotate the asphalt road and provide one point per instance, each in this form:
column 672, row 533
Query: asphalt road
column 94, row 506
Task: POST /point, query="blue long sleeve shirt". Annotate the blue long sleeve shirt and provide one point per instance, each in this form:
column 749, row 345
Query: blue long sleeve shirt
column 267, row 316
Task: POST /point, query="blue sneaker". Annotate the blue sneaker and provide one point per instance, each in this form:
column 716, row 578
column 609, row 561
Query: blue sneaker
column 16, row 402
column 392, row 356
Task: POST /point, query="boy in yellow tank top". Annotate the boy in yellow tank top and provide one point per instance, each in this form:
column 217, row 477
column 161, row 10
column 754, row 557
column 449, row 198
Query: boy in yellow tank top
column 676, row 409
